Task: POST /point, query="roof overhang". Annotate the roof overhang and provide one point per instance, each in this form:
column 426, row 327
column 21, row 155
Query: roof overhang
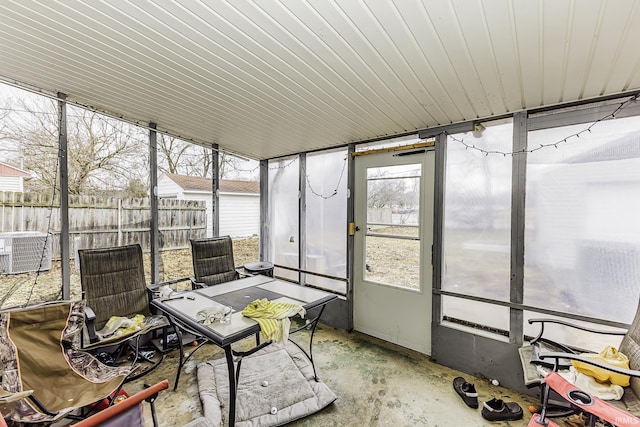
column 270, row 78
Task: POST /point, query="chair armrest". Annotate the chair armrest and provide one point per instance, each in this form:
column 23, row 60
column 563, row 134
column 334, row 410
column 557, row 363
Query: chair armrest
column 241, row 272
column 543, row 321
column 90, row 324
column 195, row 284
column 154, row 288
column 571, row 356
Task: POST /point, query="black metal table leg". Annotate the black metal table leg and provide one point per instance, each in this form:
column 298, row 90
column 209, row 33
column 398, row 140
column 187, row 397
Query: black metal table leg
column 183, row 360
column 179, row 338
column 233, row 387
column 233, row 366
column 314, row 324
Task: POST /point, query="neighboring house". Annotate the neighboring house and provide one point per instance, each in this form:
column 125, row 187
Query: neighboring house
column 12, row 178
column 239, row 201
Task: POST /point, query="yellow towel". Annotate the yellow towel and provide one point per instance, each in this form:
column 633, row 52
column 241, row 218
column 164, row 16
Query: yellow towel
column 273, row 317
column 119, row 326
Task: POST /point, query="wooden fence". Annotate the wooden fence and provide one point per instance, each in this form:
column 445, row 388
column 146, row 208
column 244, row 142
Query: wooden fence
column 104, row 221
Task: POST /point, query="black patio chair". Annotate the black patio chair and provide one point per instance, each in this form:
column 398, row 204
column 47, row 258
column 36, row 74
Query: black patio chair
column 213, row 261
column 114, row 285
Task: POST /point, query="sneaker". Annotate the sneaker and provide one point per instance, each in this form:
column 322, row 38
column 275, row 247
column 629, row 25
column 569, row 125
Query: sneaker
column 466, row 391
column 498, row 410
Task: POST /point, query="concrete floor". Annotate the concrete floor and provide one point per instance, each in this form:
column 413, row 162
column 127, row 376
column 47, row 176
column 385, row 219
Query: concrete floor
column 377, row 383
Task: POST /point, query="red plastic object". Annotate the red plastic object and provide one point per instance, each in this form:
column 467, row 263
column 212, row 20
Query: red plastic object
column 597, row 407
column 104, row 403
column 126, row 404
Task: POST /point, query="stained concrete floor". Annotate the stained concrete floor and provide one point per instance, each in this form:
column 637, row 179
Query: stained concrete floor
column 377, row 384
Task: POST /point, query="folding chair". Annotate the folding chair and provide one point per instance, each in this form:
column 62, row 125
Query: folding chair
column 555, row 356
column 127, row 412
column 44, row 376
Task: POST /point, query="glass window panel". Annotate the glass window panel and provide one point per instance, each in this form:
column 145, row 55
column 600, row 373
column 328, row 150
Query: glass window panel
column 394, row 230
column 572, row 336
column 283, row 206
column 109, row 204
column 107, row 162
column 29, row 213
column 393, row 195
column 475, row 314
column 582, row 244
column 392, row 246
column 394, row 262
column 477, row 215
column 326, row 219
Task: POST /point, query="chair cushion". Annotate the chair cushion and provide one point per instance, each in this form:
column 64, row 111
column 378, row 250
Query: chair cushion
column 277, row 376
column 630, row 347
column 150, row 323
column 530, row 373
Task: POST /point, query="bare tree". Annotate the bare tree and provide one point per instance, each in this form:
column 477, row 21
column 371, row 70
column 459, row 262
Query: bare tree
column 101, row 152
column 5, row 110
column 233, row 167
column 171, row 151
column 104, row 155
column 384, row 193
column 181, row 157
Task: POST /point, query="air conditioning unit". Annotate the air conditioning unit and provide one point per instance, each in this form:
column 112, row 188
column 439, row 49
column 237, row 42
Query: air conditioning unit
column 25, row 251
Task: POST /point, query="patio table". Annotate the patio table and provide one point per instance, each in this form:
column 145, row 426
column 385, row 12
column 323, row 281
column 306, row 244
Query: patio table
column 181, row 311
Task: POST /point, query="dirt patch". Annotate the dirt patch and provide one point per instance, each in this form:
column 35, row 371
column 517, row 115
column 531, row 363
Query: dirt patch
column 18, row 289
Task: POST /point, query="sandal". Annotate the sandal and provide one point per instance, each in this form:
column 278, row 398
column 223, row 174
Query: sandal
column 466, row 391
column 499, row 410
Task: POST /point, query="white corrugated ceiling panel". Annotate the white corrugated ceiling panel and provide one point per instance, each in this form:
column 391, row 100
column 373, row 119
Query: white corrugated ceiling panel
column 274, row 77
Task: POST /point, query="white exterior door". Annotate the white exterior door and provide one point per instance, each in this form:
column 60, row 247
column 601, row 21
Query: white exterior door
column 393, row 244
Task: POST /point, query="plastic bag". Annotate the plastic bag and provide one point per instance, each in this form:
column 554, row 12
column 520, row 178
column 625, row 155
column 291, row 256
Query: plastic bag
column 610, row 356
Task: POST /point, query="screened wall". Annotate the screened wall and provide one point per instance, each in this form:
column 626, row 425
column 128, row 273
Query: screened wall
column 308, row 216
column 539, row 220
column 536, row 215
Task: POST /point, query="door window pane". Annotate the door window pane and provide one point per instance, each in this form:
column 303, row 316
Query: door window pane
column 392, row 244
column 394, row 262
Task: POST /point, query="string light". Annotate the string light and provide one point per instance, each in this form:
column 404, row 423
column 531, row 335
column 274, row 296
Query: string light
column 576, row 135
column 335, row 192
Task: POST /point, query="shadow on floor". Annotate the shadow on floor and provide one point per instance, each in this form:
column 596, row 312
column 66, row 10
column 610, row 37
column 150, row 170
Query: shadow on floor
column 377, row 383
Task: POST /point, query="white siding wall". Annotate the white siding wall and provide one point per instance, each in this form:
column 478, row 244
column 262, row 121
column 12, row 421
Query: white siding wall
column 239, row 214
column 168, row 188
column 11, row 183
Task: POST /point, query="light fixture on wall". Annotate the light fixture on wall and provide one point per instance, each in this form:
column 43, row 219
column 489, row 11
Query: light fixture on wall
column 478, row 128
